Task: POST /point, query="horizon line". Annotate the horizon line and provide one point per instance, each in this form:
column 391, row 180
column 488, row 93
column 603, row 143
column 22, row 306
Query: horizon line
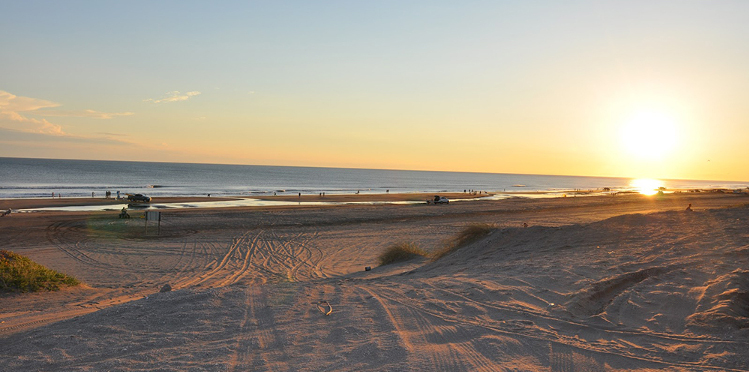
column 377, row 169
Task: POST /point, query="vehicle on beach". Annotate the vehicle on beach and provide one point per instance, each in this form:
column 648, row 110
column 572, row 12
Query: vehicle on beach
column 438, row 200
column 138, row 198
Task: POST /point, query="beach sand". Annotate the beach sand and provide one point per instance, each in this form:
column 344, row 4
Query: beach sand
column 592, row 284
column 16, row 204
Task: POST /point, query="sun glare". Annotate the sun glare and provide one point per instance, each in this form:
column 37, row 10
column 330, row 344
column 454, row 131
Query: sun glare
column 649, row 135
column 646, row 186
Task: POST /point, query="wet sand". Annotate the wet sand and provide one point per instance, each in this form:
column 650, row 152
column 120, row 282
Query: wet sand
column 594, row 283
column 15, row 204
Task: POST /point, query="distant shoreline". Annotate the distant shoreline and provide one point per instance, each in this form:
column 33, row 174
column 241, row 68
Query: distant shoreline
column 46, row 178
column 205, row 202
column 32, row 203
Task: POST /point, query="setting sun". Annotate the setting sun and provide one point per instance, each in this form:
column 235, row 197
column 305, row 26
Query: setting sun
column 649, row 135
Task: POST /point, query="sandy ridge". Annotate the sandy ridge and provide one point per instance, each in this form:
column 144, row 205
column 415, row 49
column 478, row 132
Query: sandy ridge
column 592, row 284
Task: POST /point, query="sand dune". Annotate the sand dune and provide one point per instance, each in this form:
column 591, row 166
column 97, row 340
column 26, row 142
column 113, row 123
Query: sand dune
column 593, row 284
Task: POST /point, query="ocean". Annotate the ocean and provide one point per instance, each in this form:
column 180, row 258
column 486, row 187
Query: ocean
column 35, row 178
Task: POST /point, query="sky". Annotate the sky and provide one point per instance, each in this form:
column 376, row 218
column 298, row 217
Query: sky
column 654, row 89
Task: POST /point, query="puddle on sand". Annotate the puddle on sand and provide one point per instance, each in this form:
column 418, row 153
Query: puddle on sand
column 216, row 204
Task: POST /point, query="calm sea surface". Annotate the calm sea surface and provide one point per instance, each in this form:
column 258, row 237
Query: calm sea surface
column 26, row 178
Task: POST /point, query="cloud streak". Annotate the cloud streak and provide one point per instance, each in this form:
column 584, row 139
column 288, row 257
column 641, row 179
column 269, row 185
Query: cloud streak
column 174, row 96
column 14, row 111
column 12, row 103
column 10, row 136
column 83, row 114
column 11, row 106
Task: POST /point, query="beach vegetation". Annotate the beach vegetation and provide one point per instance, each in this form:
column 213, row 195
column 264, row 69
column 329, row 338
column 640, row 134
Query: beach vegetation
column 468, row 235
column 401, row 252
column 21, row 274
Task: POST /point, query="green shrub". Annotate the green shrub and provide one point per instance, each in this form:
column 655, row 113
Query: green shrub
column 400, row 252
column 468, row 235
column 20, row 274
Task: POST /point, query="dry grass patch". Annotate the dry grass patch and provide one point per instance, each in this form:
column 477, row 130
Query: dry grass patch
column 401, row 252
column 468, row 235
column 20, row 274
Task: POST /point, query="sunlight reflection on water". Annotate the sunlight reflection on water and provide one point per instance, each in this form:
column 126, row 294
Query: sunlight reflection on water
column 647, row 186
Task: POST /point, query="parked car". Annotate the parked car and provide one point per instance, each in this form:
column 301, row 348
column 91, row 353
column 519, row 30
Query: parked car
column 138, row 198
column 438, row 200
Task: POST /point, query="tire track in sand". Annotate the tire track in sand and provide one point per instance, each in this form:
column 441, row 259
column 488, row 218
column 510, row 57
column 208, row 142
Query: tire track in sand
column 225, row 259
column 519, row 330
column 261, row 344
column 57, row 235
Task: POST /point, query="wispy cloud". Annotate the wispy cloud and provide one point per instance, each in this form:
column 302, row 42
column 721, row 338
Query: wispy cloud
column 11, row 107
column 174, row 96
column 83, row 114
column 15, row 117
column 12, row 103
column 8, row 135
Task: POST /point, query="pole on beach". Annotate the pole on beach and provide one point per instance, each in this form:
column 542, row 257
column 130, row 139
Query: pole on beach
column 153, row 215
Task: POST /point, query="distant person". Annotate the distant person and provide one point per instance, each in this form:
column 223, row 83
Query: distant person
column 118, row 195
column 689, row 208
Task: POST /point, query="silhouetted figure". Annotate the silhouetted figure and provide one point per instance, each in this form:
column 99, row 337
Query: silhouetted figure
column 689, row 208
